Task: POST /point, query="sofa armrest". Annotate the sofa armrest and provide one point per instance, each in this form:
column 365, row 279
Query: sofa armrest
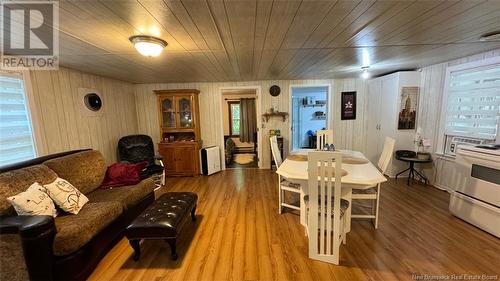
column 37, row 237
column 26, row 226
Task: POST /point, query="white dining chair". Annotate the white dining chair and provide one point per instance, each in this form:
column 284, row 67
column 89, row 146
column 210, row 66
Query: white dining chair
column 373, row 192
column 325, row 208
column 323, row 137
column 283, row 184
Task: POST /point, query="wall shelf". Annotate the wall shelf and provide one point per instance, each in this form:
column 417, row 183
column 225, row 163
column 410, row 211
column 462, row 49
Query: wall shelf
column 314, row 105
column 268, row 115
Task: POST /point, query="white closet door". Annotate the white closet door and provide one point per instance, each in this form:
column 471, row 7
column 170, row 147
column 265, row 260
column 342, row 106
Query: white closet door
column 388, row 109
column 373, row 138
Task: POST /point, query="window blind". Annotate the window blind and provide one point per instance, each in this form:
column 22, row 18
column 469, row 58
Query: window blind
column 474, row 102
column 16, row 139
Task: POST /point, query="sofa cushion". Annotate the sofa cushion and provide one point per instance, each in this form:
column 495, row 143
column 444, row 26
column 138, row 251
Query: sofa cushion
column 84, row 170
column 74, row 231
column 127, row 196
column 17, row 181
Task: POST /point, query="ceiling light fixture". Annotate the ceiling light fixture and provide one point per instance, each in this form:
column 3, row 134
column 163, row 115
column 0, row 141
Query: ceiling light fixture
column 148, row 46
column 365, row 74
column 490, row 36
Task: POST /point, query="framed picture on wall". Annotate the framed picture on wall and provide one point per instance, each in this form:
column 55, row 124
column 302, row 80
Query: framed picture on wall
column 407, row 117
column 348, row 110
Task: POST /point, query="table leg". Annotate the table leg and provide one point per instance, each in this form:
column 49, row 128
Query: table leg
column 408, row 179
column 303, row 192
column 411, row 175
column 173, row 249
column 401, row 173
column 422, row 177
column 347, row 195
column 137, row 248
column 302, row 209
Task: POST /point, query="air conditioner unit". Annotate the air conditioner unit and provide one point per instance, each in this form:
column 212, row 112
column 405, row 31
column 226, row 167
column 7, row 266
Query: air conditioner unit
column 209, row 160
column 452, row 142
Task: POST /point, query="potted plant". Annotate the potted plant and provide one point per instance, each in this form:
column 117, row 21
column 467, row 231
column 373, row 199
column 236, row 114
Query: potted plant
column 423, row 144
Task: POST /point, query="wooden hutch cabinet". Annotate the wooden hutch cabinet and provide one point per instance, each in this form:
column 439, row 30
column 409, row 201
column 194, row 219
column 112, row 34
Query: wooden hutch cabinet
column 180, row 131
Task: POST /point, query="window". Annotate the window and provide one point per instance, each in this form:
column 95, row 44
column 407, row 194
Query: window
column 16, row 138
column 473, row 104
column 234, row 118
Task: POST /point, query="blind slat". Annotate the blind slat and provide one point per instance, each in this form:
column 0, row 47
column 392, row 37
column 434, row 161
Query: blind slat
column 16, row 138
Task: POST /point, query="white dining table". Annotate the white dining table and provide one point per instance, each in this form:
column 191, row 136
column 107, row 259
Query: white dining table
column 359, row 176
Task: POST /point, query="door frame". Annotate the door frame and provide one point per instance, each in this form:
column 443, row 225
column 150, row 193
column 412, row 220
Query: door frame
column 258, row 109
column 329, row 107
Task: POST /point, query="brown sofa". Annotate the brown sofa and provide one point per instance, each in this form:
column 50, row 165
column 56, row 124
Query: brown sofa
column 67, row 247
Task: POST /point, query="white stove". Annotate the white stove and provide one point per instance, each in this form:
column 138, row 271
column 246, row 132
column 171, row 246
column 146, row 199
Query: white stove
column 476, row 196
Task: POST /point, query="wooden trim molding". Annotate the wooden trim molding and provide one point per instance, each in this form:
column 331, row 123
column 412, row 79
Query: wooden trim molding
column 177, row 91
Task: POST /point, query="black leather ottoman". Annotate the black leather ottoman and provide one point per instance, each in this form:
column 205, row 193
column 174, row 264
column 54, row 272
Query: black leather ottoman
column 162, row 220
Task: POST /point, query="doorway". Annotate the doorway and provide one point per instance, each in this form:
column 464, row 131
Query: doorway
column 240, row 128
column 310, row 113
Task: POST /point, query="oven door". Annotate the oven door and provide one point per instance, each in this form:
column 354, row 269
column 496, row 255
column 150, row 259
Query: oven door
column 479, row 176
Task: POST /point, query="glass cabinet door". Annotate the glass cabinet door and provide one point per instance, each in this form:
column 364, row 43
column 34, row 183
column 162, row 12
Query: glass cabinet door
column 168, row 113
column 185, row 112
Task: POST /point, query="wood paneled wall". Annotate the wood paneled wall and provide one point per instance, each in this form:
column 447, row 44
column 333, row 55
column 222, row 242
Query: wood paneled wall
column 348, row 134
column 431, row 97
column 60, row 124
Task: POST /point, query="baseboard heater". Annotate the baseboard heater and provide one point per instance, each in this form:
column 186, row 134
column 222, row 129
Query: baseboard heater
column 209, row 160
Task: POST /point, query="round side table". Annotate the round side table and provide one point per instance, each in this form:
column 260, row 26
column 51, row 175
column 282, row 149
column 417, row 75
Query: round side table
column 413, row 171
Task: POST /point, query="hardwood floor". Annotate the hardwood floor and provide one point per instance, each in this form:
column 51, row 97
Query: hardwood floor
column 239, row 235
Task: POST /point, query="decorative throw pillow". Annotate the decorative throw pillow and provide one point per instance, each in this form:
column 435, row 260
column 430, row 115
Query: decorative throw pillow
column 33, row 202
column 66, row 196
column 121, row 174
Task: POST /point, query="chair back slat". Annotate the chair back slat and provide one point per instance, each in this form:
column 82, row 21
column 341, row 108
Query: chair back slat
column 386, row 156
column 322, row 203
column 324, row 213
column 323, row 137
column 275, row 150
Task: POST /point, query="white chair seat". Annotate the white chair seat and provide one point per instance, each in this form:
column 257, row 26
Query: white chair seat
column 344, row 204
column 290, row 184
column 364, row 191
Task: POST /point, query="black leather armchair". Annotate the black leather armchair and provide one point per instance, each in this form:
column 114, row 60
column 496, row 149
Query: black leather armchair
column 140, row 148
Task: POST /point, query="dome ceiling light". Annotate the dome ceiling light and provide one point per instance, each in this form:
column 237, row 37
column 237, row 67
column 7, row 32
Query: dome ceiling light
column 148, row 46
column 365, row 74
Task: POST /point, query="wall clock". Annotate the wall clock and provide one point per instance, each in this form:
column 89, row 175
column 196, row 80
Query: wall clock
column 274, row 90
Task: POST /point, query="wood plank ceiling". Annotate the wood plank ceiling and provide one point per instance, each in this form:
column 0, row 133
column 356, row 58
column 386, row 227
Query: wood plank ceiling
column 217, row 40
